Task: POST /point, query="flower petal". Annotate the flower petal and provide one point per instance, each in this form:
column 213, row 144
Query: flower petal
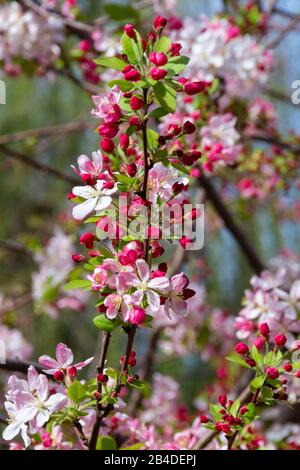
column 81, row 211
column 143, row 269
column 64, row 355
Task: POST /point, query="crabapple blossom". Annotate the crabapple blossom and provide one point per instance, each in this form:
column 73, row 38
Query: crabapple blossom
column 63, row 361
column 107, row 107
column 97, row 198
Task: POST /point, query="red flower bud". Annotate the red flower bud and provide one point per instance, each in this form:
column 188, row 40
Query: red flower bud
column 251, row 362
column 124, row 141
column 137, row 316
column 59, row 375
column 102, row 378
column 193, row 88
column 107, row 145
column 134, row 121
column 130, row 31
column 204, row 419
column 158, row 58
column 84, row 45
column 272, row 373
column 287, row 367
column 131, row 169
column 188, row 127
column 108, row 129
column 72, row 372
column 159, row 22
column 264, row 329
column 158, row 74
column 136, row 103
column 241, row 348
column 297, row 374
column 174, row 49
column 78, row 258
column 132, row 75
column 87, row 239
column 223, row 400
column 280, row 340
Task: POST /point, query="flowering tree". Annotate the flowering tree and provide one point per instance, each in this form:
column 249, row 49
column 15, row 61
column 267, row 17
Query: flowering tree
column 174, row 113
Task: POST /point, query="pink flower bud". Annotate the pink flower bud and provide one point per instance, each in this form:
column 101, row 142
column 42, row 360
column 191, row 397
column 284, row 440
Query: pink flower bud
column 241, row 348
column 108, row 129
column 136, row 103
column 59, row 375
column 287, row 367
column 272, row 373
column 107, row 145
column 137, row 316
column 264, row 329
column 131, row 169
column 84, row 45
column 159, row 22
column 188, row 127
column 259, row 342
column 124, row 141
column 193, row 88
column 204, row 419
column 87, row 239
column 223, row 399
column 158, row 74
column 174, row 49
column 72, row 372
column 102, row 378
column 158, row 58
column 130, row 31
column 78, row 258
column 132, row 75
column 280, row 340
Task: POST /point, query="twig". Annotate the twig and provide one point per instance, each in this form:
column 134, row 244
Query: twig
column 13, row 304
column 99, row 416
column 48, row 131
column 273, row 140
column 83, row 437
column 37, row 165
column 15, row 247
column 230, row 223
column 22, row 366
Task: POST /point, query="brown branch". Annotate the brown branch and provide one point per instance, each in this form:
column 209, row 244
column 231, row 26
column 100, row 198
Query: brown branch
column 14, row 365
column 99, row 416
column 37, row 165
column 83, row 437
column 285, row 31
column 236, row 231
column 273, row 140
column 13, row 304
column 48, row 131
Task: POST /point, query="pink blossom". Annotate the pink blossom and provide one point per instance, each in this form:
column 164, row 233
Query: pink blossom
column 97, row 199
column 107, row 107
column 89, row 166
column 98, row 278
column 64, row 360
column 178, row 293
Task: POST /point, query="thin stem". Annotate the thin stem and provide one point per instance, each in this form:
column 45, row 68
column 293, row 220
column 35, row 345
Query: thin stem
column 104, row 349
column 83, row 437
column 145, row 147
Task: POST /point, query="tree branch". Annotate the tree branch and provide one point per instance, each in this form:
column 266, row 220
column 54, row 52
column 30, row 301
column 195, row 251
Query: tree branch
column 14, row 365
column 240, row 237
column 37, row 165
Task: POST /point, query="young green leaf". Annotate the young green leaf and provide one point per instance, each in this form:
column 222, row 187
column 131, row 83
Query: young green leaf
column 166, row 96
column 258, row 382
column 104, row 324
column 131, row 49
column 106, row 443
column 163, row 44
column 111, row 62
column 77, row 284
column 76, row 391
column 237, row 360
column 257, row 356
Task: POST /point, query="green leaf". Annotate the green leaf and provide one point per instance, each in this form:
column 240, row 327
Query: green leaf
column 131, row 49
column 166, row 96
column 258, row 382
column 177, row 65
column 106, row 443
column 119, row 12
column 158, row 113
column 77, row 284
column 249, row 416
column 163, row 44
column 257, row 356
column 234, row 409
column 76, row 391
column 137, row 384
column 180, row 167
column 215, row 411
column 136, row 446
column 104, row 324
column 152, row 138
column 111, row 62
column 237, row 360
column 124, row 85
